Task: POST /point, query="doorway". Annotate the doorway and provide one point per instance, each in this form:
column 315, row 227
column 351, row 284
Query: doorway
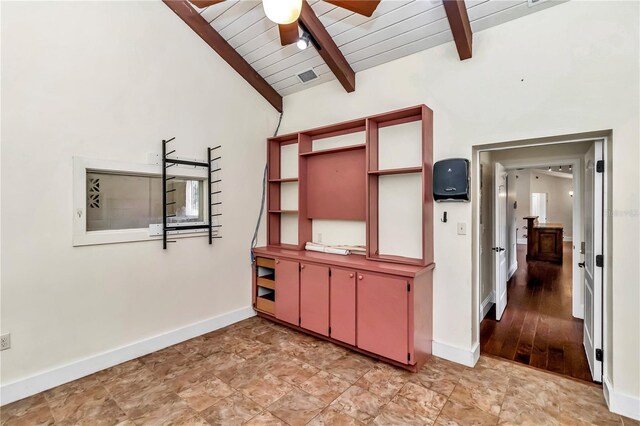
column 537, row 312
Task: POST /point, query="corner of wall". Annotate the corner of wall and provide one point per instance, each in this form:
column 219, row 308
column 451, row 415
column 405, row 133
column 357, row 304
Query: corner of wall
column 625, row 405
column 468, row 357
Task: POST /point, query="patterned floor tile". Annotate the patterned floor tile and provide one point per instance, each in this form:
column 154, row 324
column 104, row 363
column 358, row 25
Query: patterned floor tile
column 420, row 400
column 454, row 414
column 257, row 372
column 297, row 407
column 332, row 417
column 266, row 390
column 394, row 414
column 265, row 419
column 233, row 410
column 86, row 407
column 359, row 404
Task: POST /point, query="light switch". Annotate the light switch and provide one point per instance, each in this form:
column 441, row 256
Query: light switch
column 462, row 228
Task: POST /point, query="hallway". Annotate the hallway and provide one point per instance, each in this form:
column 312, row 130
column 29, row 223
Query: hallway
column 537, row 327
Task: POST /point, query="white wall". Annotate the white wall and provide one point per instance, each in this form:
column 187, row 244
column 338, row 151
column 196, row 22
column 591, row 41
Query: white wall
column 522, row 83
column 110, row 80
column 523, row 198
column 559, row 202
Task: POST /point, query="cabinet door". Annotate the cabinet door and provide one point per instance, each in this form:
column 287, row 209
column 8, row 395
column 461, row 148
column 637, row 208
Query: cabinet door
column 287, row 291
column 383, row 316
column 314, row 298
column 343, row 305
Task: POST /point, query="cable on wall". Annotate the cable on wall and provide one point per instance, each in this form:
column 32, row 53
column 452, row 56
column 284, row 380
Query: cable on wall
column 254, row 240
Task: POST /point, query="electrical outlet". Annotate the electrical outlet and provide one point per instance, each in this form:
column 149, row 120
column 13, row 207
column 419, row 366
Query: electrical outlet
column 5, row 341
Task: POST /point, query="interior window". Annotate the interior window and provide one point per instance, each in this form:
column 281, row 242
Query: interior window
column 129, row 201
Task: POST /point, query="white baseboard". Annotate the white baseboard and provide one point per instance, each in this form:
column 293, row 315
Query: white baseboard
column 521, row 241
column 456, row 354
column 486, row 305
column 57, row 376
column 512, row 271
column 624, row 405
column 578, row 311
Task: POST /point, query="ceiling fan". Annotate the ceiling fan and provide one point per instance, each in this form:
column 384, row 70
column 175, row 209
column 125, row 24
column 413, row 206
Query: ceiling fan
column 285, row 13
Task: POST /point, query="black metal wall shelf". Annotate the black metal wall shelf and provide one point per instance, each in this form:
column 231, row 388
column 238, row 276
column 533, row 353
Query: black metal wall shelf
column 170, row 162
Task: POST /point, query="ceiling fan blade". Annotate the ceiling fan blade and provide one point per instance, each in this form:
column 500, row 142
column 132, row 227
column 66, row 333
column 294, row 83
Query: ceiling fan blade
column 288, row 33
column 363, row 7
column 205, row 3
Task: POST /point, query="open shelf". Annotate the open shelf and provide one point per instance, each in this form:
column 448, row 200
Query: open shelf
column 396, row 171
column 284, row 180
column 267, row 281
column 266, row 303
column 342, row 181
column 332, row 150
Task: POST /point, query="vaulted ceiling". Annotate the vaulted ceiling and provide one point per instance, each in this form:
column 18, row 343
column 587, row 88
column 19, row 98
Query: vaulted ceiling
column 396, row 29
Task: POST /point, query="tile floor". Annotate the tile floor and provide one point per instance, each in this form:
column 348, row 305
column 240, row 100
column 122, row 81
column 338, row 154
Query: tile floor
column 259, row 373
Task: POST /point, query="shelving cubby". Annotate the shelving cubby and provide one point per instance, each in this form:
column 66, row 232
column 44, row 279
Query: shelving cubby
column 342, row 172
column 278, row 217
column 264, row 297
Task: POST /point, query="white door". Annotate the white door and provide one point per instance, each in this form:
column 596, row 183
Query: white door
column 539, row 206
column 500, row 239
column 593, row 196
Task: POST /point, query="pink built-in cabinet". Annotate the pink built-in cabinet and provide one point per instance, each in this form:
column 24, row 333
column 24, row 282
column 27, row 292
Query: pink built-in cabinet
column 287, row 307
column 314, row 298
column 343, row 305
column 379, row 304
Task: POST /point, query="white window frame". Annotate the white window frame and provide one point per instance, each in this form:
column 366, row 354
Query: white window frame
column 82, row 165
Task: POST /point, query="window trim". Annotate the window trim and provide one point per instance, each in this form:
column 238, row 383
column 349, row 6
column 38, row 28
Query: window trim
column 82, row 237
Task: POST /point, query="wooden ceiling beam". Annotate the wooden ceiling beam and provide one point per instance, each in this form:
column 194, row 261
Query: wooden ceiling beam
column 460, row 26
column 192, row 18
column 327, row 48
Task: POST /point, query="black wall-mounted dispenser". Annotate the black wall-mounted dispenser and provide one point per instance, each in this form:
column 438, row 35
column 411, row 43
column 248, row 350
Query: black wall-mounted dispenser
column 451, row 180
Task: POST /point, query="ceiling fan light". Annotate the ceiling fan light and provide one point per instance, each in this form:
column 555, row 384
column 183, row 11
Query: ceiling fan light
column 282, row 11
column 303, row 42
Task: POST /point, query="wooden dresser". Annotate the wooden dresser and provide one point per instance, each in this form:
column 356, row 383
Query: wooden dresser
column 379, row 303
column 544, row 240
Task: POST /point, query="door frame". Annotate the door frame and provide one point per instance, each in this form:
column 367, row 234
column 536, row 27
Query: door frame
column 605, row 136
column 577, row 280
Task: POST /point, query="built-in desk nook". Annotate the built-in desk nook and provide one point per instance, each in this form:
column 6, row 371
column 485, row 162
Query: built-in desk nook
column 544, row 240
column 370, row 180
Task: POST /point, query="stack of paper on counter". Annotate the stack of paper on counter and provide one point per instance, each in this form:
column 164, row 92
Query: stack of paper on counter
column 325, row 249
column 361, row 250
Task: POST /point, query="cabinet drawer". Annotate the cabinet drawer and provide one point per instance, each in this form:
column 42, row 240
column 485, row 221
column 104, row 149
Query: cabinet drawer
column 266, row 262
column 264, row 304
column 266, row 282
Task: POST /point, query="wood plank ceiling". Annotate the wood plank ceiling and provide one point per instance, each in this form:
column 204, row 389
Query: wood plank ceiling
column 397, row 28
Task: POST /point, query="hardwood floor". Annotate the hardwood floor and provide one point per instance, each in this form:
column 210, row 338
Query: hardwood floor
column 537, row 327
